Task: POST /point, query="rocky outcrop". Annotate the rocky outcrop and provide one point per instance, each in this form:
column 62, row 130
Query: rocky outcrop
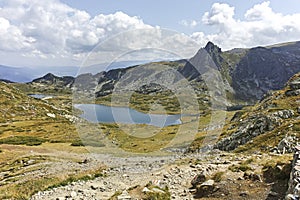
column 252, row 127
column 294, row 87
column 277, row 115
column 293, row 192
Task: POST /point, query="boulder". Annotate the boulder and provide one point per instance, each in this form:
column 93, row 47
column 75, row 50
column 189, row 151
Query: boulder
column 198, row 179
column 286, row 145
column 295, row 85
column 206, row 188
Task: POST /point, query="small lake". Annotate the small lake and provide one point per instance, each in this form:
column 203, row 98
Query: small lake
column 39, row 96
column 107, row 114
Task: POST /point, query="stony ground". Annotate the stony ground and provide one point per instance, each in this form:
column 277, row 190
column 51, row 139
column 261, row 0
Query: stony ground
column 125, row 174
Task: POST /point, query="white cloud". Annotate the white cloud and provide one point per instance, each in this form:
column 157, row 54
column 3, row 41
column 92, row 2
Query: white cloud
column 219, row 14
column 191, row 23
column 52, row 29
column 261, row 26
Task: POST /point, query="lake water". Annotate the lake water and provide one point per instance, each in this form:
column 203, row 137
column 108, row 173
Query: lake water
column 107, row 114
column 39, row 96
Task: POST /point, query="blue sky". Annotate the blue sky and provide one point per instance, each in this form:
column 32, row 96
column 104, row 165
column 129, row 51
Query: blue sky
column 168, row 13
column 68, row 32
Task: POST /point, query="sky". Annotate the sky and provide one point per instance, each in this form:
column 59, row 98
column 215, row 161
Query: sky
column 76, row 33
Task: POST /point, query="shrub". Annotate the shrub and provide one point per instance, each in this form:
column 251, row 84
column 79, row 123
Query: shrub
column 241, row 167
column 79, row 143
column 22, row 140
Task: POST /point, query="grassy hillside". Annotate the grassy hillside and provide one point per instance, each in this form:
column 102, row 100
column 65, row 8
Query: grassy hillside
column 267, row 125
column 35, row 138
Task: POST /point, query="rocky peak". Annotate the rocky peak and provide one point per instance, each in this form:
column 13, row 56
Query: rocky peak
column 211, row 48
column 49, row 76
column 50, row 79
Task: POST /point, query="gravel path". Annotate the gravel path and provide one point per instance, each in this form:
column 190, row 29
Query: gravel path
column 124, row 173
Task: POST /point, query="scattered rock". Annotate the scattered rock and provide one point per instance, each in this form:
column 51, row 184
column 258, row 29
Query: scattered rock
column 249, row 128
column 244, row 194
column 146, row 190
column 156, row 190
column 206, row 188
column 273, row 194
column 291, row 197
column 124, row 196
column 52, row 115
column 198, row 179
column 286, row 145
column 73, row 194
column 252, row 176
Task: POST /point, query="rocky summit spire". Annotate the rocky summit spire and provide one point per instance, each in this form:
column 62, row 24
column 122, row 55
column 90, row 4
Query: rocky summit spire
column 212, row 48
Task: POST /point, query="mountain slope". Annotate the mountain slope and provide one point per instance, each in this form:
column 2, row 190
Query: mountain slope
column 271, row 125
column 22, row 115
column 251, row 72
column 246, row 76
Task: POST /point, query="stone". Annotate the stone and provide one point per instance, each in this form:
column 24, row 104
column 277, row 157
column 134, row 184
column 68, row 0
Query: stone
column 206, row 188
column 291, row 197
column 198, row 179
column 73, row 194
column 252, row 176
column 30, row 162
column 292, row 92
column 244, row 194
column 273, row 194
column 52, row 115
column 124, row 196
column 146, row 190
column 156, row 190
column 295, row 85
column 286, row 145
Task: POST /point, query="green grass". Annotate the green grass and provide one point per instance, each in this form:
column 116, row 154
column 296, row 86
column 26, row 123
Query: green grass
column 241, row 167
column 218, row 176
column 87, row 143
column 23, row 140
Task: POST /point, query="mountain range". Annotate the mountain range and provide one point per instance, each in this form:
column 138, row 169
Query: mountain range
column 27, row 74
column 246, row 75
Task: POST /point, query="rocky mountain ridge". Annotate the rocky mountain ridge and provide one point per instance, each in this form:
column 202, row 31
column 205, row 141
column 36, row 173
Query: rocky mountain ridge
column 247, row 74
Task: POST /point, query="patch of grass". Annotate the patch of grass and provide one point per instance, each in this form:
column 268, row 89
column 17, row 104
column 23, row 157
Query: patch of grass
column 22, row 140
column 296, row 128
column 248, row 161
column 157, row 195
column 218, row 176
column 91, row 143
column 241, row 167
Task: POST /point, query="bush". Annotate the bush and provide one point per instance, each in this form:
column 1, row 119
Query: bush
column 79, row 143
column 237, row 168
column 23, row 140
